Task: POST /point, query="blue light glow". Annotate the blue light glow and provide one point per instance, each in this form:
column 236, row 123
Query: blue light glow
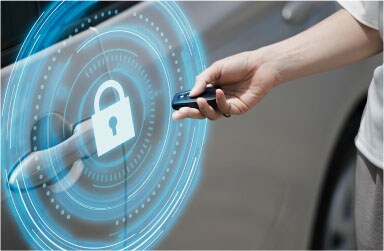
column 129, row 197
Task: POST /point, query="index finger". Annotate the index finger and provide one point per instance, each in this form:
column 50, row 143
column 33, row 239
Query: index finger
column 208, row 76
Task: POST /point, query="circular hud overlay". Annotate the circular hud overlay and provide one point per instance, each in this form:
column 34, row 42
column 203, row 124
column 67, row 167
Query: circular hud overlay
column 129, row 197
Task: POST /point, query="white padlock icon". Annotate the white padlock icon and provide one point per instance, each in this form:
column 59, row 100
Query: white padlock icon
column 113, row 125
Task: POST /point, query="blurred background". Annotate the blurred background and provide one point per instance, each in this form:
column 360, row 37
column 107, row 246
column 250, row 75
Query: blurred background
column 278, row 177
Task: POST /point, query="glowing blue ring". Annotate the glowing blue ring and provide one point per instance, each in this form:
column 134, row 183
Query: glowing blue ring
column 48, row 238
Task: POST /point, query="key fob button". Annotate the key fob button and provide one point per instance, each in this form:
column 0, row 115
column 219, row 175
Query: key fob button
column 182, row 99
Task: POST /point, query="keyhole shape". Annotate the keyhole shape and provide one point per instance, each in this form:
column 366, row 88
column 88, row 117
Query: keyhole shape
column 112, row 125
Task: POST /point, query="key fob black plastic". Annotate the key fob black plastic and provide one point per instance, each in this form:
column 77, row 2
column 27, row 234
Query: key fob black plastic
column 182, row 99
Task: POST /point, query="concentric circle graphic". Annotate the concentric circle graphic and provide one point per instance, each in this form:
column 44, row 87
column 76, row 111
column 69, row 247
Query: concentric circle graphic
column 129, row 197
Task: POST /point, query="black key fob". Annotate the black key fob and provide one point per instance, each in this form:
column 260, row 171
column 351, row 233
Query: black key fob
column 182, row 99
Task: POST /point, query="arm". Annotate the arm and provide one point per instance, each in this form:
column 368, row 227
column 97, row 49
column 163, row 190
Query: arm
column 247, row 77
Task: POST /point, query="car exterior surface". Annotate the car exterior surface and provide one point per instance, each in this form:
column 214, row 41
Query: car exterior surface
column 263, row 174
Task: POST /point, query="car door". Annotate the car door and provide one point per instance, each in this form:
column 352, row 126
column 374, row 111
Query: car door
column 241, row 195
column 254, row 191
column 263, row 171
column 56, row 119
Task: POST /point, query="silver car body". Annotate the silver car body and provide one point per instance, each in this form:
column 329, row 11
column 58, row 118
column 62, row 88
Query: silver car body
column 262, row 172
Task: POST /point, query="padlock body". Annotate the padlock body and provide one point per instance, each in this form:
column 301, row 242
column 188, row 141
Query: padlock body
column 104, row 136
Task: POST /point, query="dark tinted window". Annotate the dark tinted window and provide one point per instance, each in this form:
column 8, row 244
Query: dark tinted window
column 17, row 17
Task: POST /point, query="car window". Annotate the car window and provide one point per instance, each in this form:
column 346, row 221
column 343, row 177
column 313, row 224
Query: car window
column 14, row 30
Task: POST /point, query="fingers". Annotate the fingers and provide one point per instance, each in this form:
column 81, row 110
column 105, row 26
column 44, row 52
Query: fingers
column 208, row 76
column 207, row 110
column 204, row 111
column 221, row 101
column 187, row 112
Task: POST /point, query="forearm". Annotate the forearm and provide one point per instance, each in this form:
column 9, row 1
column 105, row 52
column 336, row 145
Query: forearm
column 336, row 41
column 245, row 78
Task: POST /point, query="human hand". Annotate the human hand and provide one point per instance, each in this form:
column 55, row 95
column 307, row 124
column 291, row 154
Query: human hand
column 247, row 77
column 244, row 80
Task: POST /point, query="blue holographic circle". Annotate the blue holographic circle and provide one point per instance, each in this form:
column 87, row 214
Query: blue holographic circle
column 129, row 197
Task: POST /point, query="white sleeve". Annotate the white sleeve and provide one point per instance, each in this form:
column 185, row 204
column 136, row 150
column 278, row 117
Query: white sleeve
column 366, row 12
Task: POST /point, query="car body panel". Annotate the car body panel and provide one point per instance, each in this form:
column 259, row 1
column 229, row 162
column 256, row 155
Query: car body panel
column 262, row 173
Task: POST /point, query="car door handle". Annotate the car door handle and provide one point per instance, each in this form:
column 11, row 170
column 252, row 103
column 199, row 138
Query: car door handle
column 298, row 11
column 78, row 146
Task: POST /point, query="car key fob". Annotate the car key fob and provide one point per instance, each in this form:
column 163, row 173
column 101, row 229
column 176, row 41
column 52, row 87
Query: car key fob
column 182, row 99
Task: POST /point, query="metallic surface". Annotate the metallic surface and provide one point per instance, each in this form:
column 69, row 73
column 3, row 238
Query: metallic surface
column 69, row 151
column 262, row 174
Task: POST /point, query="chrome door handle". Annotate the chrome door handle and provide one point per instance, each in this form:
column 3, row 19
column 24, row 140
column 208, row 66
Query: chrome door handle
column 298, row 11
column 37, row 168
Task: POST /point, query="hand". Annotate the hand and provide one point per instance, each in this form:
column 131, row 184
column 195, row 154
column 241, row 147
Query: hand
column 244, row 80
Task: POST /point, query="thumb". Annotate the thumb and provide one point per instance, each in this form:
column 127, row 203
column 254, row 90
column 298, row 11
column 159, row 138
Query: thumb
column 208, row 76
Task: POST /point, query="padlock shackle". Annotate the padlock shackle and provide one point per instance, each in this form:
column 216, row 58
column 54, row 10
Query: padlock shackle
column 107, row 84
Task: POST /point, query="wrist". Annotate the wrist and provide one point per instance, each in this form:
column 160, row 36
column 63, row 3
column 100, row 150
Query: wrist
column 267, row 60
